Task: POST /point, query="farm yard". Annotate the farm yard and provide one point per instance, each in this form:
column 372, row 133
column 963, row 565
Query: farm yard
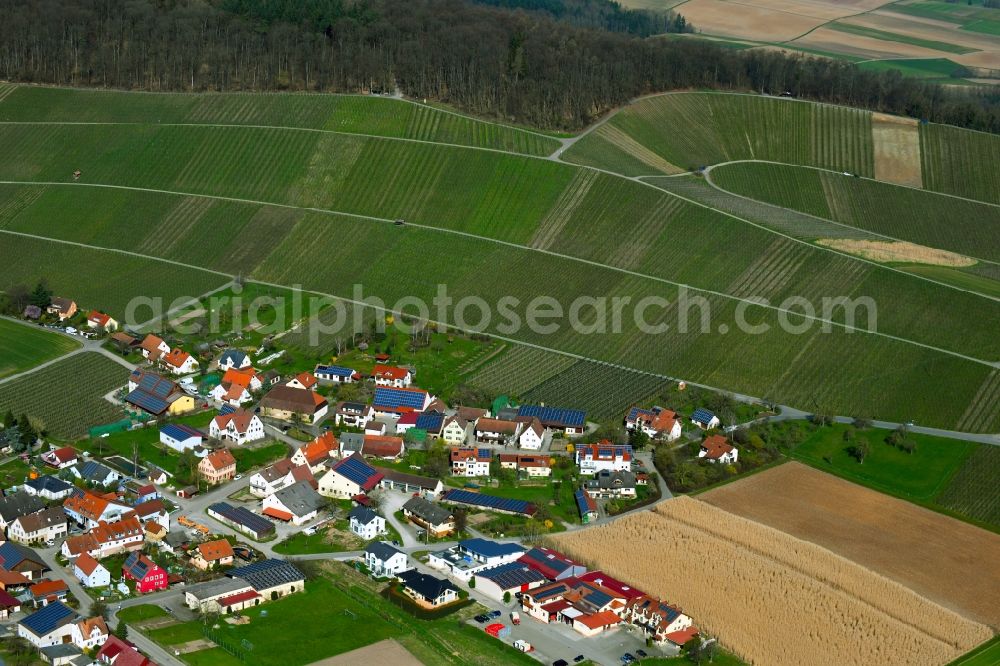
column 934, row 555
column 67, row 397
column 780, row 598
column 23, row 347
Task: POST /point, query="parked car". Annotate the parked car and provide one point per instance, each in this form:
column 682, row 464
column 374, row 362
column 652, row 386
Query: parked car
column 578, row 658
column 628, row 658
column 495, row 614
column 641, row 654
column 560, row 662
column 482, row 619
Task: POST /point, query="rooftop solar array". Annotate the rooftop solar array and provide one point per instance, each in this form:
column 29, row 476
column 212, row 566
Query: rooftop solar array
column 179, row 431
column 597, row 597
column 49, row 618
column 394, row 398
column 489, row 501
column 702, row 415
column 334, row 370
column 431, row 422
column 243, row 516
column 554, row 415
column 511, row 575
column 146, row 401
column 268, row 573
column 226, row 409
column 553, row 591
column 356, row 470
column 635, row 412
column 137, row 566
column 583, row 502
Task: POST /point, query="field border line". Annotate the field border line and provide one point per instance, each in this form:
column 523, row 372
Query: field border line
column 589, row 262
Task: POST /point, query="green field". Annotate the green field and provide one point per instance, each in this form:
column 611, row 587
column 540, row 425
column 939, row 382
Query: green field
column 974, row 491
column 140, row 613
column 970, row 15
column 959, row 162
column 67, row 397
column 23, row 347
column 987, row 654
column 147, row 439
column 903, row 213
column 351, row 114
column 936, row 69
column 699, row 129
column 562, row 230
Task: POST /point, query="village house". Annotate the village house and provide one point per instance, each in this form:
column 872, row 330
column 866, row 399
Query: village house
column 18, row 504
column 437, row 520
column 213, row 554
column 45, row 525
column 384, row 447
column 12, row 581
column 705, row 419
column 217, row 467
column 586, row 505
column 384, row 560
column 510, row 578
column 366, row 523
column 531, row 466
column 180, row 437
column 45, row 592
column 153, row 510
column 298, row 503
column 88, row 509
column 611, row 484
column 64, row 308
column 101, row 321
column 118, row 652
column 239, row 426
column 411, row 484
column 270, row 579
column 391, row 403
column 90, row 572
column 236, row 386
column 335, row 374
column 52, row 625
column 532, row 435
column 234, row 359
column 49, row 487
column 271, row 479
column 455, row 431
column 303, row 380
column 148, row 576
column 93, row 472
column 353, row 414
column 90, row 633
column 569, row 421
column 473, row 555
column 661, row 621
column 318, row 453
column 588, row 607
column 106, row 539
column 593, row 458
column 287, row 404
column 351, row 443
column 657, row 423
column 495, row 431
column 21, row 559
column 153, row 348
column 717, row 448
column 471, row 462
column 426, row 590
column 390, row 375
column 61, row 458
column 9, row 604
column 179, row 362
column 156, row 395
column 350, row 477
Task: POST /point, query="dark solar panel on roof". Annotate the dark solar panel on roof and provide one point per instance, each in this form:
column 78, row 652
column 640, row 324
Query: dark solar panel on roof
column 393, row 397
column 489, row 501
column 355, row 470
column 554, row 415
column 268, row 573
column 147, row 401
column 243, row 516
column 49, row 618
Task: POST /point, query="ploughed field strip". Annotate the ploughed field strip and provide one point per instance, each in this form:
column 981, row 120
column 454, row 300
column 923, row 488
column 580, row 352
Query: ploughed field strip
column 613, row 237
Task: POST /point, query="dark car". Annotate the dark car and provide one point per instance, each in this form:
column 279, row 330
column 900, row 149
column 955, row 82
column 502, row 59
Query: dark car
column 481, row 619
column 641, row 654
column 628, row 658
column 578, row 658
column 495, row 614
column 560, row 662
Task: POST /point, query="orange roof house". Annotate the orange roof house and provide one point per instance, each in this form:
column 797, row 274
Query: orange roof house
column 217, row 466
column 213, row 553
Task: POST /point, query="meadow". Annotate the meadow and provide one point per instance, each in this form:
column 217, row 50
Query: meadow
column 67, row 397
column 783, row 600
column 932, row 554
column 903, row 213
column 23, row 347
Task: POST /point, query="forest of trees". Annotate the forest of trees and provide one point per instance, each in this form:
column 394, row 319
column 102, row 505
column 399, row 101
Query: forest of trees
column 516, row 65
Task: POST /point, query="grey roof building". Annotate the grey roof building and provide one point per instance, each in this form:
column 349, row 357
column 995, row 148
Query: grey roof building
column 300, row 498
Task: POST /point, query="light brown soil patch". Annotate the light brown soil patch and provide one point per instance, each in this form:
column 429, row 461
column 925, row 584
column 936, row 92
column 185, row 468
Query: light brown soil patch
column 191, row 314
column 897, row 252
column 943, row 559
column 636, row 149
column 719, row 17
column 984, row 59
column 383, row 652
column 948, row 33
column 897, row 150
column 193, row 646
column 770, row 597
column 828, row 39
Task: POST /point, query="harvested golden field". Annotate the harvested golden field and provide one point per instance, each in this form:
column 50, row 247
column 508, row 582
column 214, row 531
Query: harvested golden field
column 943, row 559
column 896, row 144
column 768, row 596
column 897, row 251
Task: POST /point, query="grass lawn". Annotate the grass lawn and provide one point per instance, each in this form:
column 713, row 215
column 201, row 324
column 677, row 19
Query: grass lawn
column 140, row 613
column 176, row 634
column 211, row 657
column 322, row 541
column 258, row 457
column 148, row 439
column 987, row 654
column 920, row 475
column 23, row 346
column 13, row 473
column 721, row 658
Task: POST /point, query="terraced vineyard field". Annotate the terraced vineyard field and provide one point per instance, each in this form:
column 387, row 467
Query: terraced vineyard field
column 689, row 130
column 22, row 347
column 903, row 213
column 961, row 162
column 67, row 396
column 973, row 491
column 356, row 114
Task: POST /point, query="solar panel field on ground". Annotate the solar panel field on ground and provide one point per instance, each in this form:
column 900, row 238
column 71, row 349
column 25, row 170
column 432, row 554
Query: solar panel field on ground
column 574, row 232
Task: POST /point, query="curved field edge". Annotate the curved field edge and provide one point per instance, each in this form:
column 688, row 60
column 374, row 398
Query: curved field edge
column 552, row 208
column 23, row 347
column 794, row 624
column 277, row 246
column 892, row 211
column 351, row 114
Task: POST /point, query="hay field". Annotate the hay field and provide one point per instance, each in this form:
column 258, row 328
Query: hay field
column 896, row 142
column 950, row 562
column 769, row 597
column 897, row 251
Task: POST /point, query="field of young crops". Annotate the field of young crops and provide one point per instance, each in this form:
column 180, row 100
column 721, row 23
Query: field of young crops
column 23, row 347
column 690, row 130
column 67, row 396
column 356, row 114
column 903, row 213
column 960, row 162
column 99, row 279
column 973, row 491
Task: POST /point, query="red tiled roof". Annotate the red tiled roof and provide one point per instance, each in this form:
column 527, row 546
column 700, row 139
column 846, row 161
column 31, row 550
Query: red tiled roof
column 382, row 446
column 221, row 459
column 306, row 379
column 211, row 551
column 277, row 513
column 46, row 587
column 683, row 636
column 238, row 598
column 598, row 620
column 716, row 446
column 176, row 357
column 240, row 418
column 86, row 564
column 390, row 372
column 604, row 580
column 7, row 600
